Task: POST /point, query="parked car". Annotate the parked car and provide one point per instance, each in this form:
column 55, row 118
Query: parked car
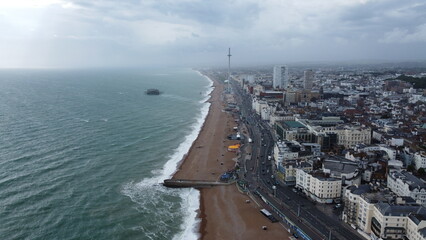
column 337, row 206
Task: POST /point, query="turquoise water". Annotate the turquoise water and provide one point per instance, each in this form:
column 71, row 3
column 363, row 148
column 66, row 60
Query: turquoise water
column 82, row 153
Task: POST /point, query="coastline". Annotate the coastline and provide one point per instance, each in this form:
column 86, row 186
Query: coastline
column 223, row 210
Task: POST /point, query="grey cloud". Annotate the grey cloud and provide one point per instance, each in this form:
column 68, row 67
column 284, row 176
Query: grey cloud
column 229, row 13
column 384, row 15
column 187, row 32
column 221, row 12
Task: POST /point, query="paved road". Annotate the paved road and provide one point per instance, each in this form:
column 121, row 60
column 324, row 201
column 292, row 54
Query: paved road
column 259, row 176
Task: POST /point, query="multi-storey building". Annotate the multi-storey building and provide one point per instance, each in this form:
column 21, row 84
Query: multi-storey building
column 366, row 207
column 293, row 130
column 416, row 227
column 318, row 186
column 350, row 136
column 284, row 152
column 405, row 184
column 280, row 78
column 351, row 200
column 393, row 221
column 287, row 171
column 372, row 213
column 308, row 79
column 420, row 160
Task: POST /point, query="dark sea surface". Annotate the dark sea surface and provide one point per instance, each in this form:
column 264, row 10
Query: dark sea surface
column 83, row 153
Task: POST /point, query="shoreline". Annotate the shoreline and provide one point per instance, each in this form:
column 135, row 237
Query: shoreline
column 223, row 210
column 208, row 100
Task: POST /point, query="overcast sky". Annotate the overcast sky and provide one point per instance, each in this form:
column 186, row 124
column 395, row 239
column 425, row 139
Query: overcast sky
column 97, row 33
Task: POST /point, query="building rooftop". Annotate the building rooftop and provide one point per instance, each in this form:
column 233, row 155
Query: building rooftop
column 340, row 165
column 399, row 210
column 417, row 218
column 293, row 124
column 358, row 190
column 422, row 232
column 304, row 165
column 375, row 197
column 411, row 180
column 323, row 176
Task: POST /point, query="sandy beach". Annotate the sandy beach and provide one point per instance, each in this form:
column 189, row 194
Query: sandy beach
column 224, row 212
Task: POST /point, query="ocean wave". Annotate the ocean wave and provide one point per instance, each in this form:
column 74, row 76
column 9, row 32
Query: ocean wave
column 171, row 166
column 210, row 87
column 189, row 229
column 137, row 192
column 192, row 198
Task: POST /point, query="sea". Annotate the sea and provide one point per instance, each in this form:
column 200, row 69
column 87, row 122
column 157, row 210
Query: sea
column 83, row 152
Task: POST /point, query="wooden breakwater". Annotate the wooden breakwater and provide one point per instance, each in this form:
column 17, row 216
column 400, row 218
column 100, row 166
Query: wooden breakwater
column 185, row 183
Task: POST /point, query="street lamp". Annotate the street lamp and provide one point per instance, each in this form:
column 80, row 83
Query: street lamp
column 275, row 190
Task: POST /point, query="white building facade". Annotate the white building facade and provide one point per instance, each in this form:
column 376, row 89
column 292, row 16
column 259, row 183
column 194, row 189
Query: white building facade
column 404, row 184
column 280, row 77
column 319, row 188
column 398, row 222
column 350, row 136
column 420, row 160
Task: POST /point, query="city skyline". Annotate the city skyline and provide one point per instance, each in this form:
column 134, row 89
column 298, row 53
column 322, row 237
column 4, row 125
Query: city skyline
column 73, row 33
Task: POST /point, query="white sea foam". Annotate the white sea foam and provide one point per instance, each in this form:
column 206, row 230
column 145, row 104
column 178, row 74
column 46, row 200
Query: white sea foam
column 171, row 166
column 191, row 197
column 83, row 120
column 191, row 202
column 137, row 192
column 210, row 87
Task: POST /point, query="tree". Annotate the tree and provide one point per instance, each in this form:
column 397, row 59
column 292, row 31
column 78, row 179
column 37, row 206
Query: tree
column 421, row 172
column 317, row 165
column 411, row 168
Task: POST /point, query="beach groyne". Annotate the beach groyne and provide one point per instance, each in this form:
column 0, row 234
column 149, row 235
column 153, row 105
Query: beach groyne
column 186, row 183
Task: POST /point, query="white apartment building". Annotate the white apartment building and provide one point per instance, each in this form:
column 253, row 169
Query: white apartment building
column 258, row 105
column 405, row 184
column 265, row 113
column 351, row 199
column 420, row 160
column 370, row 213
column 366, row 206
column 318, row 186
column 416, row 227
column 398, row 222
column 280, row 77
column 287, row 171
column 283, row 153
column 263, row 108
